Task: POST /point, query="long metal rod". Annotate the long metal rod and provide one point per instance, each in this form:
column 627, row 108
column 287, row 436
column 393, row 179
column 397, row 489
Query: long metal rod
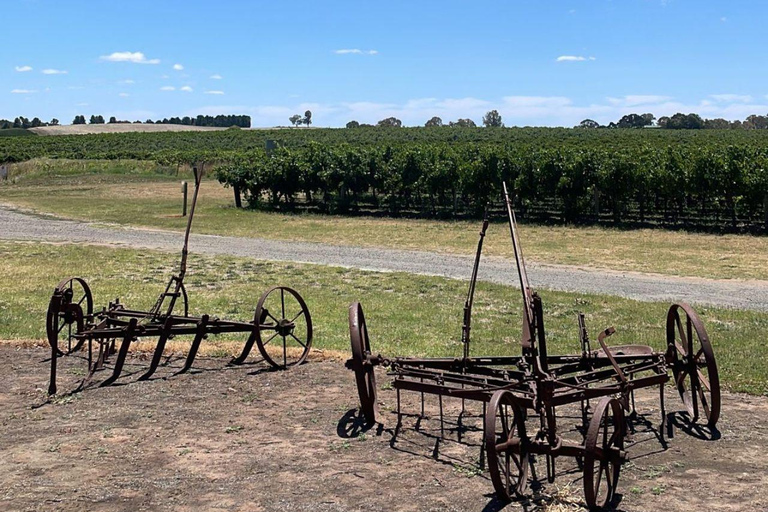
column 521, row 272
column 467, row 326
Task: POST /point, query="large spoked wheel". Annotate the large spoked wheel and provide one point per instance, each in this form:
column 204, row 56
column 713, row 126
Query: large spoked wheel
column 283, row 327
column 364, row 372
column 506, row 445
column 603, row 453
column 693, row 365
column 70, row 306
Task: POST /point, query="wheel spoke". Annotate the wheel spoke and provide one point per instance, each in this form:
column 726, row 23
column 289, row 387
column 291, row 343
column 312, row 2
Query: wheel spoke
column 270, row 338
column 282, row 301
column 704, row 402
column 297, row 339
column 506, row 458
column 85, row 296
column 698, row 355
column 285, row 352
column 270, row 316
column 297, row 316
column 682, row 333
column 703, row 380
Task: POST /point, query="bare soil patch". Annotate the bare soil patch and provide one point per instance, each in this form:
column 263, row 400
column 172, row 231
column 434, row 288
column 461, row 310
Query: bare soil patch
column 249, row 439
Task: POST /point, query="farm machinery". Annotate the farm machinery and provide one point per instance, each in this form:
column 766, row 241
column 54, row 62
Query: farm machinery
column 517, row 390
column 281, row 327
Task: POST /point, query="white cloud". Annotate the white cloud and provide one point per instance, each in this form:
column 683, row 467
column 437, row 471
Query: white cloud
column 22, row 91
column 82, row 104
column 123, row 94
column 178, row 67
column 54, row 72
column 135, row 57
column 165, row 77
column 214, row 92
column 186, row 88
column 355, row 51
column 573, row 58
column 23, row 69
column 216, row 77
column 127, row 82
column 731, row 98
column 167, row 88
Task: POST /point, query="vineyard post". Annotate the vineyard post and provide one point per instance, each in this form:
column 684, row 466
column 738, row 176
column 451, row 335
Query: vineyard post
column 765, row 210
column 596, row 203
column 184, row 191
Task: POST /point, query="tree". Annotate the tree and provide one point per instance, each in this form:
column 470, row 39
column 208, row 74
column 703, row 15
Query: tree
column 391, row 122
column 353, row 124
column 36, row 122
column 79, row 120
column 492, row 119
column 681, row 121
column 588, row 124
column 295, row 119
column 648, row 118
column 54, row 122
column 663, row 121
column 307, row 118
column 112, row 120
column 97, row 120
column 717, row 124
column 435, row 121
column 463, row 123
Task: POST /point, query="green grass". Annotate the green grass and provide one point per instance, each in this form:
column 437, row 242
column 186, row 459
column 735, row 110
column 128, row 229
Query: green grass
column 407, row 315
column 141, row 194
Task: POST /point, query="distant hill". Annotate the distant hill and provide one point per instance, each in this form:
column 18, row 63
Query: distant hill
column 85, row 129
column 15, row 132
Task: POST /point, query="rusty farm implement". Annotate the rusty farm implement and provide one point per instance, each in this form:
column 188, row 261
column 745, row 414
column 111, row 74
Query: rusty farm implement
column 281, row 327
column 516, row 389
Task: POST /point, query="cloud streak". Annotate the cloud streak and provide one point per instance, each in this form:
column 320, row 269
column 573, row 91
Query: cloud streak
column 355, row 51
column 573, row 58
column 133, row 57
column 178, row 67
column 54, row 72
column 23, row 69
column 215, row 92
column 22, row 91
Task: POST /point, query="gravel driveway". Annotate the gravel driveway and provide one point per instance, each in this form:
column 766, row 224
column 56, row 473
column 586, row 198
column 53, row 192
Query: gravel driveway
column 751, row 295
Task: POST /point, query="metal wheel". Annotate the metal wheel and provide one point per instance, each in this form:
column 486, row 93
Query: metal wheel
column 71, row 304
column 603, row 453
column 693, row 365
column 364, row 373
column 283, row 327
column 506, row 445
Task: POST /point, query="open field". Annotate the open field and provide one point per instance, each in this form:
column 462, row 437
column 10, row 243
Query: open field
column 87, row 129
column 407, row 314
column 131, row 193
column 249, row 439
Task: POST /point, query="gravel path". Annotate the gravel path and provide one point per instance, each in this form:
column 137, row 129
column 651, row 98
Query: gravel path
column 751, row 295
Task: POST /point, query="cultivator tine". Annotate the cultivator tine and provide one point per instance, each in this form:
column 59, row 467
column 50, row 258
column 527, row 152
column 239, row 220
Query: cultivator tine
column 246, row 349
column 54, row 356
column 127, row 339
column 199, row 335
column 159, row 348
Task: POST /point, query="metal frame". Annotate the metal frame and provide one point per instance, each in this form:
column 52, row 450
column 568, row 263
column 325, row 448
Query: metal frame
column 113, row 329
column 511, row 387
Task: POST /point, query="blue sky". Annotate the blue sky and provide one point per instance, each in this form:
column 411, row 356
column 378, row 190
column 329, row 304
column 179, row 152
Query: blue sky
column 546, row 63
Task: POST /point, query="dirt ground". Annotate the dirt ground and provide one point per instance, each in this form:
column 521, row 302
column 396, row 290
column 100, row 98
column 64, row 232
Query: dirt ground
column 249, row 439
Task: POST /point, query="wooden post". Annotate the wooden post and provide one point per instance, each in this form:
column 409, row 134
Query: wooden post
column 184, row 191
column 765, row 209
column 238, row 201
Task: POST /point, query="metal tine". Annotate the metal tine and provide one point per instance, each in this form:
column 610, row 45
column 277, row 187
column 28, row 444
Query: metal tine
column 159, row 348
column 199, row 335
column 120, row 361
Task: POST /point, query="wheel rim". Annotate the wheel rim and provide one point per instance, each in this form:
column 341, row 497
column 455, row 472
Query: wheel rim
column 71, row 302
column 283, row 327
column 365, row 376
column 506, row 446
column 694, row 366
column 602, row 454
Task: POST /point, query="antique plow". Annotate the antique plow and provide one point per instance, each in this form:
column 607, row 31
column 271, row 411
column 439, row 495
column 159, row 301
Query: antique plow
column 535, row 383
column 281, row 327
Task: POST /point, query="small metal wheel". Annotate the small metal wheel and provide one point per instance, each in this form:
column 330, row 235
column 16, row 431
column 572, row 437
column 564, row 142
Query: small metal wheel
column 71, row 303
column 283, row 327
column 506, row 445
column 603, row 454
column 365, row 376
column 693, row 365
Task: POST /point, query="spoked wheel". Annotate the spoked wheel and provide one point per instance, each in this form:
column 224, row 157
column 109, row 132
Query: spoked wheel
column 506, row 445
column 70, row 305
column 693, row 366
column 283, row 327
column 603, row 453
column 364, row 372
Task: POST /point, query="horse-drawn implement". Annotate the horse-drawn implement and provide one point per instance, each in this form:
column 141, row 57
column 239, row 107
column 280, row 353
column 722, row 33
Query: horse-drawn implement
column 536, row 383
column 281, row 327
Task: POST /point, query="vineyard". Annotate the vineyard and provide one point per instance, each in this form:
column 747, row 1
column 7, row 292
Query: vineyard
column 694, row 179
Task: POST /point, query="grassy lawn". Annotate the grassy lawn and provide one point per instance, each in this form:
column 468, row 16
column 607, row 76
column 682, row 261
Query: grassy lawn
column 407, row 315
column 134, row 193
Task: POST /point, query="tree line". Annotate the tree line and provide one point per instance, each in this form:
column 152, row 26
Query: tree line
column 221, row 121
column 24, row 123
column 681, row 121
